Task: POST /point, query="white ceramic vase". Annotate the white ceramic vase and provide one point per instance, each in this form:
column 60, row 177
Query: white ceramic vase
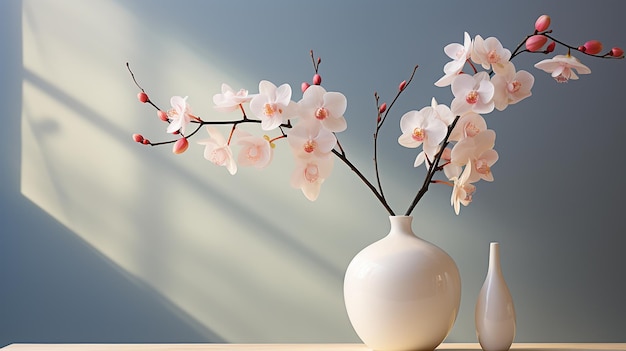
column 402, row 292
column 495, row 313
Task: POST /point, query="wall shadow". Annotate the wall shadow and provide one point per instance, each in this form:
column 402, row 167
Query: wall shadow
column 54, row 287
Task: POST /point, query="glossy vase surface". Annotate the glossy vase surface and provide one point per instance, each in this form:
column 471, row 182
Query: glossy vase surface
column 495, row 312
column 402, row 293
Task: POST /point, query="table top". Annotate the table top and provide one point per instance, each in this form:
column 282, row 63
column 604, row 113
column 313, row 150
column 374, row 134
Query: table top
column 299, row 347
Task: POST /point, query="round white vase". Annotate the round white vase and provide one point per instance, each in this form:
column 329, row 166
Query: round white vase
column 495, row 312
column 402, row 292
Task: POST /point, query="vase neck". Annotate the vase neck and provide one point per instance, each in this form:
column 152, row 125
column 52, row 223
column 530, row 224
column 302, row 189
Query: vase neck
column 401, row 224
column 494, row 257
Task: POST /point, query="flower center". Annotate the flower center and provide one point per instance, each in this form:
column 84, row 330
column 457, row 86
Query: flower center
column 472, row 97
column 253, row 153
column 321, row 113
column 219, row 157
column 419, row 134
column 172, row 114
column 310, row 146
column 515, row 86
column 311, row 173
column 560, row 78
column 469, row 190
column 460, row 54
column 564, row 76
column 270, row 109
column 471, row 130
column 482, row 167
column 493, row 56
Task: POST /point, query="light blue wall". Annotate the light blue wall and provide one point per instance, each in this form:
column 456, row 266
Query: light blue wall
column 98, row 264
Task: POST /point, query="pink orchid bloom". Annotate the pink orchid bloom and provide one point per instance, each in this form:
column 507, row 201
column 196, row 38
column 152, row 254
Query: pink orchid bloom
column 229, row 100
column 309, row 175
column 463, row 190
column 490, row 54
column 562, row 67
column 326, row 107
column 180, row 115
column 272, row 105
column 308, row 138
column 255, row 151
column 472, row 94
column 421, row 126
column 459, row 55
column 511, row 87
column 217, row 150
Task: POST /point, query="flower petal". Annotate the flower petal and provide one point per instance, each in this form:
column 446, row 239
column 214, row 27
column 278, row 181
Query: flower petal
column 336, row 103
column 283, row 94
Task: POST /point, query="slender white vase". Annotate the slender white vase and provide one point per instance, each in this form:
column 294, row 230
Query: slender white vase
column 402, row 292
column 495, row 313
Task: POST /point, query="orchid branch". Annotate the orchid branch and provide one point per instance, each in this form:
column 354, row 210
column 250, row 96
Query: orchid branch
column 379, row 123
column 534, row 45
column 518, row 50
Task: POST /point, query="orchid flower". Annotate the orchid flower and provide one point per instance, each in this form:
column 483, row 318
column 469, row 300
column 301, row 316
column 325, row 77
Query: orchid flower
column 229, row 100
column 478, row 151
column 179, row 116
column 469, row 149
column 562, row 67
column 217, row 150
column 490, row 54
column 326, row 107
column 472, row 94
column 309, row 175
column 511, row 87
column 468, row 126
column 421, row 126
column 255, row 151
column 273, row 105
column 459, row 55
column 463, row 190
column 309, row 138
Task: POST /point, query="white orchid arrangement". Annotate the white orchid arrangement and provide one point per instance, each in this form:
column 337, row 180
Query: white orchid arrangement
column 454, row 139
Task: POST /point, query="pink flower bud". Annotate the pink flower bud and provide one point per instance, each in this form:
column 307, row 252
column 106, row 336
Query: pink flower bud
column 146, row 142
column 582, row 48
column 542, row 23
column 617, row 52
column 162, row 115
column 317, row 79
column 143, row 97
column 593, row 47
column 536, row 42
column 304, row 86
column 180, row 146
column 550, row 47
column 402, row 85
column 138, row 138
column 382, row 108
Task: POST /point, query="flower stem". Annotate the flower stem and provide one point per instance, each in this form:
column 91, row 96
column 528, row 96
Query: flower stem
column 380, row 195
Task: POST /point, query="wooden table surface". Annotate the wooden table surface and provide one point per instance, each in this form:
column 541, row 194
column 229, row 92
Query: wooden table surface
column 298, row 347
